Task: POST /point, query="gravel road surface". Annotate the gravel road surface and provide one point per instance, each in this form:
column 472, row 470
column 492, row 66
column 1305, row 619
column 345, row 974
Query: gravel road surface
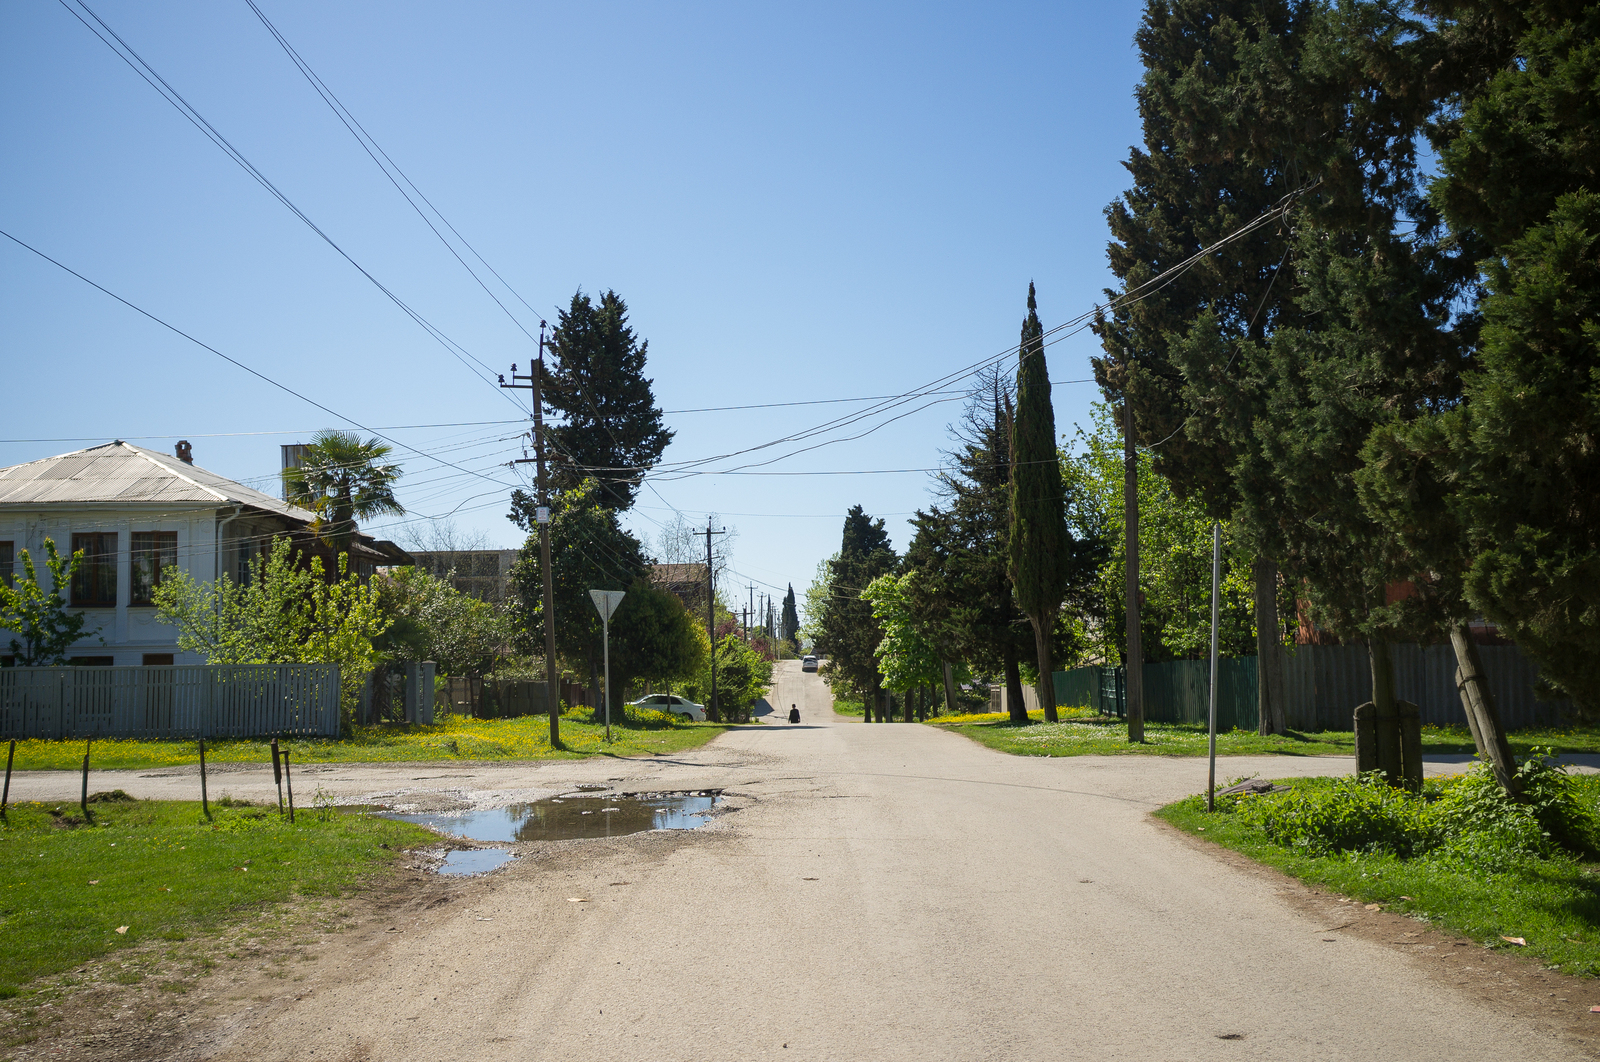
column 873, row 892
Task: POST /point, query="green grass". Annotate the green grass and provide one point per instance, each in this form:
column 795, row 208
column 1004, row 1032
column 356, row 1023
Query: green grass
column 844, row 707
column 1553, row 904
column 161, row 870
column 454, row 738
column 1083, row 733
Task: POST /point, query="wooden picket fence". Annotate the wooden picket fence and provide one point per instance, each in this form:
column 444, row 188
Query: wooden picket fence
column 201, row 700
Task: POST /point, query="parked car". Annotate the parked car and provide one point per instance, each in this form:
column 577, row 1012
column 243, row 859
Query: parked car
column 671, row 702
column 808, row 663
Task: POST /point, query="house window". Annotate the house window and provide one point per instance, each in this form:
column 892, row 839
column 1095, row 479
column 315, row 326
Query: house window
column 94, row 584
column 154, row 553
column 247, row 556
column 91, row 661
column 158, row 659
column 7, row 561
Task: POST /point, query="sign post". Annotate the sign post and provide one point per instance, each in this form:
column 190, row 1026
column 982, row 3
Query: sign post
column 607, row 601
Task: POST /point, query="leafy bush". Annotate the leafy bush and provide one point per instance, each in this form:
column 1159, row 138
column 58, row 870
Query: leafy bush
column 1469, row 819
column 1361, row 814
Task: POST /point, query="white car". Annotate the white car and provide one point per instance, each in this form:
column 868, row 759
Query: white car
column 671, row 702
column 808, row 663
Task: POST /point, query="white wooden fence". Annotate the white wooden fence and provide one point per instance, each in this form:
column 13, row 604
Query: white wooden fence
column 204, row 700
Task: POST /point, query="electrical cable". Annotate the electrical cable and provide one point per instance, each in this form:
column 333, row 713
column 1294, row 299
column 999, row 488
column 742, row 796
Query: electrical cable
column 237, row 363
column 176, row 99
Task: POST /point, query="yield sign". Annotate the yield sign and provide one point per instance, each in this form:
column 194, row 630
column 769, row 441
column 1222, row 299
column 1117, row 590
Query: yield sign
column 606, row 601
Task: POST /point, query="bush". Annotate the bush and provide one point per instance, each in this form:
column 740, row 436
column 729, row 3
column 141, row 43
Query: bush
column 1469, row 819
column 1361, row 814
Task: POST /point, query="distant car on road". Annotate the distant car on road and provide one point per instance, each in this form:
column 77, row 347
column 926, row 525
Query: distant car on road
column 671, row 702
column 808, row 663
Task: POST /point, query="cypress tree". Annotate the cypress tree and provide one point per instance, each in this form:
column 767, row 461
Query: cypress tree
column 1039, row 548
column 847, row 632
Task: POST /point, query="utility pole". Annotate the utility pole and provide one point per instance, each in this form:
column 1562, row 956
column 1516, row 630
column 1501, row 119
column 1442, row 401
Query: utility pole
column 711, row 616
column 1133, row 657
column 552, row 684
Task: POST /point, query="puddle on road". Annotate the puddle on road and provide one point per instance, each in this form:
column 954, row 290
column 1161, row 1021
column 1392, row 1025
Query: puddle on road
column 574, row 817
column 474, row 861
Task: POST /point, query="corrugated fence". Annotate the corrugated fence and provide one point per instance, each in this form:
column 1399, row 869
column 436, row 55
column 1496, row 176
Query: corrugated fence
column 209, row 700
column 1322, row 685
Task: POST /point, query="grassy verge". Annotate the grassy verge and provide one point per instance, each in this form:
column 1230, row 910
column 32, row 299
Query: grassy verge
column 1080, row 733
column 454, row 738
column 1552, row 903
column 146, row 870
column 844, row 707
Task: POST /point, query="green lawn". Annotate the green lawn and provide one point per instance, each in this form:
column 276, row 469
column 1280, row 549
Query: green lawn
column 1552, row 904
column 142, row 870
column 454, row 738
column 1081, row 733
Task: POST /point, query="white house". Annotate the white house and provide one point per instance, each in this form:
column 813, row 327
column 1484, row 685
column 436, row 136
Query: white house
column 137, row 514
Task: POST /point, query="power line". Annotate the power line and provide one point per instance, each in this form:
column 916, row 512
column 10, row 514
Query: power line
column 172, row 96
column 243, row 434
column 373, row 150
column 239, row 364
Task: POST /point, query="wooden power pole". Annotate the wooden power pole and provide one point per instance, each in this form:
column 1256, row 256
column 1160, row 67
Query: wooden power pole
column 1133, row 657
column 552, row 683
column 711, row 618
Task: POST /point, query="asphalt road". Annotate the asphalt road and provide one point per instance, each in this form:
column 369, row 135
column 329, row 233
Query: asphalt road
column 879, row 892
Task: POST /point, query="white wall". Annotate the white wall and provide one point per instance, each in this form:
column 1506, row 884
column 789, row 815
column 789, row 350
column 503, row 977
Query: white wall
column 128, row 632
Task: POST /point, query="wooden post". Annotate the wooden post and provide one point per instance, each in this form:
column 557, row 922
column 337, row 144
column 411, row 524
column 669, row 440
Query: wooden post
column 83, row 797
column 5, row 797
column 290, row 780
column 205, row 800
column 1366, row 738
column 1410, row 719
column 277, row 774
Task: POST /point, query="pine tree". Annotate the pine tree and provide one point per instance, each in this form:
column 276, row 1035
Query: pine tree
column 611, row 428
column 1038, row 548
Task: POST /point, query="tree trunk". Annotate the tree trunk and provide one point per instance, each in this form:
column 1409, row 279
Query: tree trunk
column 1384, row 710
column 909, row 708
column 1483, row 716
column 1043, row 628
column 1016, row 707
column 1269, row 652
column 949, row 689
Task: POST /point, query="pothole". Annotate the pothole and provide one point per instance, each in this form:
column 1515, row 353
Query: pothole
column 574, row 817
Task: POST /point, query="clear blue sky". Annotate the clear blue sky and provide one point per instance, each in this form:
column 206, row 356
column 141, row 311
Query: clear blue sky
column 796, row 201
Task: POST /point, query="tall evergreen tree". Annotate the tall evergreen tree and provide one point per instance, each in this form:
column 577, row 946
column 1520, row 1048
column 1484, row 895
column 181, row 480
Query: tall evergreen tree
column 611, row 428
column 589, row 550
column 1039, row 548
column 789, row 624
column 1496, row 492
column 958, row 585
column 847, row 632
column 1209, row 166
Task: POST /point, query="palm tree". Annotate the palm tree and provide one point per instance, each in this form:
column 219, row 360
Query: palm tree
column 342, row 479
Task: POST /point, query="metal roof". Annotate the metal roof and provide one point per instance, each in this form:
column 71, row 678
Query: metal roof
column 120, row 472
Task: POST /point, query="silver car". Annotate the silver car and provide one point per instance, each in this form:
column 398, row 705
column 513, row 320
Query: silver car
column 671, row 702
